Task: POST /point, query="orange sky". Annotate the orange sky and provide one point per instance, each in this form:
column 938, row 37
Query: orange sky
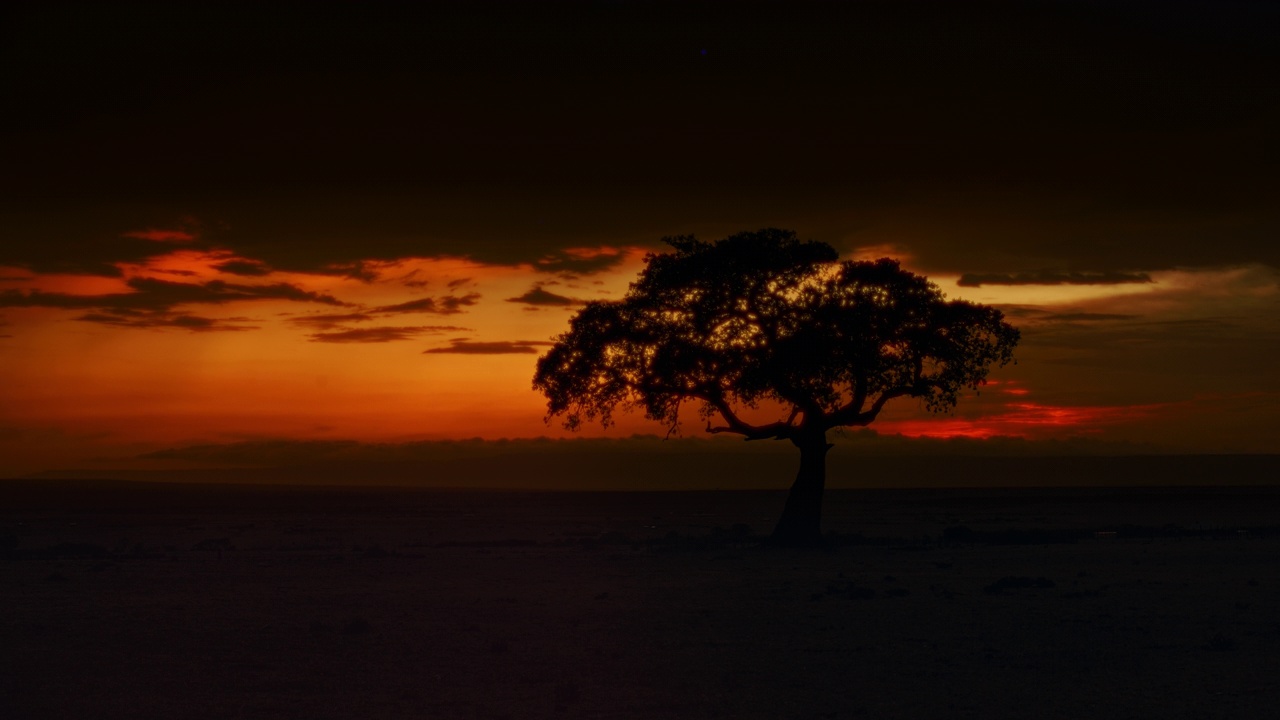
column 444, row 348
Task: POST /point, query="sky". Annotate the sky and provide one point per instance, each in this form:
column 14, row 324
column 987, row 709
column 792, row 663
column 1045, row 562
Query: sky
column 224, row 224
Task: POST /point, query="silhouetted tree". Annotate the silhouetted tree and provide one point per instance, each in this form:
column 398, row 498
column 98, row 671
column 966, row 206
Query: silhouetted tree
column 763, row 318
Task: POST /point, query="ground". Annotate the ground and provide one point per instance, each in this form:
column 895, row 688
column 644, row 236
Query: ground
column 146, row 601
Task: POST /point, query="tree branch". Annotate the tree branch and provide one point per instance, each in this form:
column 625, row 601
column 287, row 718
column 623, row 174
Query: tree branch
column 852, row 408
column 776, row 431
column 851, row 415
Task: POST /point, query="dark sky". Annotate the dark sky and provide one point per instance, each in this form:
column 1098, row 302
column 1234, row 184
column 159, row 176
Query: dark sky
column 1087, row 136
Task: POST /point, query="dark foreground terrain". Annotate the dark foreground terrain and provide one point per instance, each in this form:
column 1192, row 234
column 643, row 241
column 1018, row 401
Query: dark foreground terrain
column 165, row 601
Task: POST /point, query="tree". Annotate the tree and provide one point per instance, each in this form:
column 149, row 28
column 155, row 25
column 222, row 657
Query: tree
column 763, row 321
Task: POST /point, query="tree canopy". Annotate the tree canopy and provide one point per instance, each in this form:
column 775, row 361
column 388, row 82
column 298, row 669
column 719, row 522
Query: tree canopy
column 764, row 318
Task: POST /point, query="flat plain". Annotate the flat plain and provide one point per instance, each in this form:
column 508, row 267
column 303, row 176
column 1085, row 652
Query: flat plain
column 147, row 600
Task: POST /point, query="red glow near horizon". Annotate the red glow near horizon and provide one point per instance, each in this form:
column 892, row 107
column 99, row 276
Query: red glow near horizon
column 1008, row 387
column 1025, row 420
column 156, row 235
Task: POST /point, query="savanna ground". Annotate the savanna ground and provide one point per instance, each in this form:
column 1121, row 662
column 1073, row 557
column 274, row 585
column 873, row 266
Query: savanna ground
column 165, row 601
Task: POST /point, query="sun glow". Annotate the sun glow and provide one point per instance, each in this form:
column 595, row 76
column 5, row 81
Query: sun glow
column 257, row 354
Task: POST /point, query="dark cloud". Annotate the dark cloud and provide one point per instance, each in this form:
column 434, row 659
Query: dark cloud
column 1087, row 317
column 499, row 347
column 331, row 320
column 1046, row 277
column 157, row 294
column 153, row 293
column 249, row 268
column 380, row 334
column 56, row 243
column 408, row 280
column 1023, row 311
column 455, row 284
column 161, row 296
column 567, row 263
column 447, row 305
column 194, row 323
column 356, row 270
column 538, row 296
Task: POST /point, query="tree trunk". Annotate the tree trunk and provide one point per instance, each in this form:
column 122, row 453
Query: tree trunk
column 801, row 522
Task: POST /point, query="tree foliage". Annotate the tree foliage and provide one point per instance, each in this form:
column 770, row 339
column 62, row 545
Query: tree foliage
column 764, row 318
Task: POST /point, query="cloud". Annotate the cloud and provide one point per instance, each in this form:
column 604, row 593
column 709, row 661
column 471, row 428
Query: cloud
column 498, row 347
column 448, row 305
column 1086, row 317
column 249, row 268
column 408, row 280
column 331, row 320
column 1046, row 277
column 538, row 296
column 380, row 334
column 585, row 261
column 153, row 301
column 137, row 319
column 361, row 270
column 163, row 294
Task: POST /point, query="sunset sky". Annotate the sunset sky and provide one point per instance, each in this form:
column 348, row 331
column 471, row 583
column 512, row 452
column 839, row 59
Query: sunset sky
column 363, row 222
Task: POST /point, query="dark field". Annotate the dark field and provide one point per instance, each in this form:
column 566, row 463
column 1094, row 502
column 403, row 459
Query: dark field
column 167, row 601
